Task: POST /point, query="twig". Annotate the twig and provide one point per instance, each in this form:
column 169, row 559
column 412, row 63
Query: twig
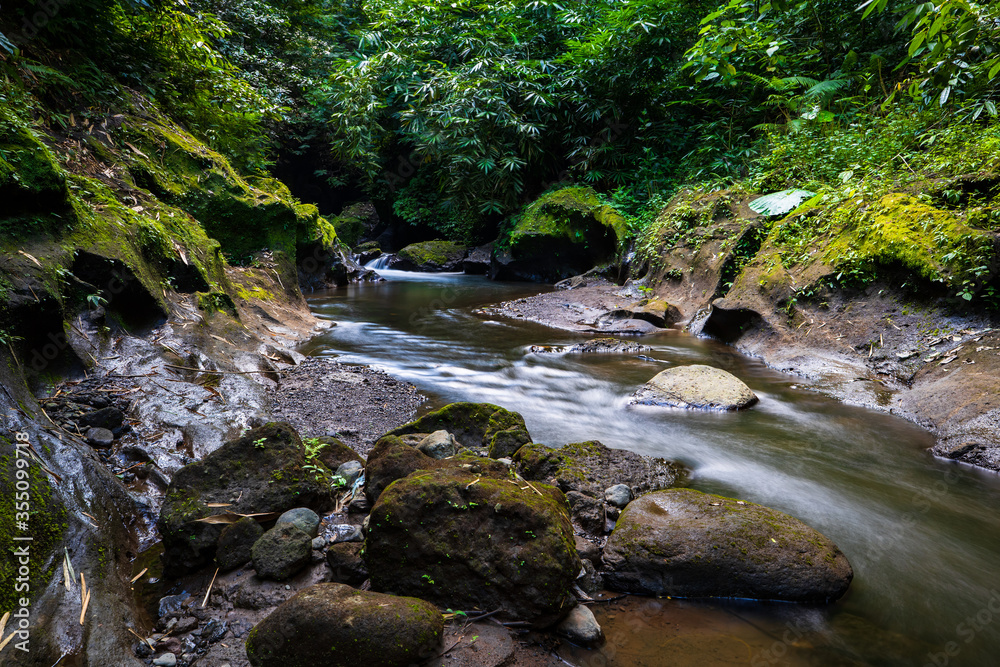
column 144, row 640
column 136, row 577
column 209, row 591
column 4, row 643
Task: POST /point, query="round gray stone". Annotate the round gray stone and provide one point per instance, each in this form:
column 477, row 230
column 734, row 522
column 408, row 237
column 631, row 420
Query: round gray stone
column 696, row 386
column 438, row 445
column 618, row 495
column 100, row 438
column 302, row 518
column 349, row 471
column 580, row 627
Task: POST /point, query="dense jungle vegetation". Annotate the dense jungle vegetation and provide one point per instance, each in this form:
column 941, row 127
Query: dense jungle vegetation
column 457, row 114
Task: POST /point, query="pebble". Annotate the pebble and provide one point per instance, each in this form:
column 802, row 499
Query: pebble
column 618, row 495
column 166, row 660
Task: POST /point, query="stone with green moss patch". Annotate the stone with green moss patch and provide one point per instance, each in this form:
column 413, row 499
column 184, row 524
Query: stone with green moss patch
column 430, row 256
column 561, row 234
column 685, row 543
column 468, row 539
column 591, row 467
column 484, row 427
column 265, row 470
column 337, row 626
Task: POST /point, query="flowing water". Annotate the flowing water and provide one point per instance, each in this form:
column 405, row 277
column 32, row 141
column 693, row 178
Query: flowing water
column 923, row 535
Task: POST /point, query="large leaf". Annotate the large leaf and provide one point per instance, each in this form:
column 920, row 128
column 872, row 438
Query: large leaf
column 780, row 203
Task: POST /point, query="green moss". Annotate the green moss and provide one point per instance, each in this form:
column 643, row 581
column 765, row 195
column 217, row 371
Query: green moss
column 47, row 523
column 432, row 253
column 574, row 214
column 217, row 302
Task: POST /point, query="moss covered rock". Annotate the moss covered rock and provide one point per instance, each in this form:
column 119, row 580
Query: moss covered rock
column 337, row 626
column 430, row 256
column 481, row 426
column 331, row 451
column 464, row 540
column 263, row 471
column 685, row 543
column 591, row 467
column 393, row 459
column 561, row 234
column 696, row 386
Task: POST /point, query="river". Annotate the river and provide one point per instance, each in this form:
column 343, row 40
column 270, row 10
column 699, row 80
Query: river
column 922, row 534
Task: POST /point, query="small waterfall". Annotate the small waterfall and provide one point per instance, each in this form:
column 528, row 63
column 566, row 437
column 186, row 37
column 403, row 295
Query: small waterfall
column 380, row 262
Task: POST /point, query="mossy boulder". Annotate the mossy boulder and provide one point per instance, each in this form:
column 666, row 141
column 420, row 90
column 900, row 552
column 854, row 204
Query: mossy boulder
column 465, row 540
column 393, row 459
column 484, row 427
column 337, row 626
column 262, row 471
column 696, row 386
column 685, row 543
column 281, row 552
column 591, row 467
column 430, row 256
column 561, row 234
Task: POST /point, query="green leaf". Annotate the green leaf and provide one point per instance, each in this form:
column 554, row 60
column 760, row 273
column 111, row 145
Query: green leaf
column 780, row 203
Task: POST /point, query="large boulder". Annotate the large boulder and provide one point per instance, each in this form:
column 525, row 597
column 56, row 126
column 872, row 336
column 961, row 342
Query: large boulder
column 591, row 467
column 696, row 386
column 430, row 256
column 481, row 426
column 334, row 625
column 262, row 471
column 465, row 540
column 690, row 544
column 561, row 234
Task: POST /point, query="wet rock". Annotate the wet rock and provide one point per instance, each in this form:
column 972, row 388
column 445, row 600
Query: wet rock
column 171, row 605
column 214, row 631
column 438, row 445
column 302, row 518
column 580, row 627
column 337, row 626
column 391, row 459
column 166, row 660
column 696, row 386
column 142, row 650
column 281, row 552
column 430, row 256
column 346, row 532
column 464, row 540
column 236, row 542
column 474, row 425
column 318, row 543
column 590, row 580
column 349, row 472
column 99, row 438
column 590, row 467
column 263, row 471
column 587, row 550
column 477, row 262
column 618, row 495
column 346, row 564
column 109, row 418
column 186, row 624
column 690, row 544
column 360, row 505
column 608, row 346
column 587, row 511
